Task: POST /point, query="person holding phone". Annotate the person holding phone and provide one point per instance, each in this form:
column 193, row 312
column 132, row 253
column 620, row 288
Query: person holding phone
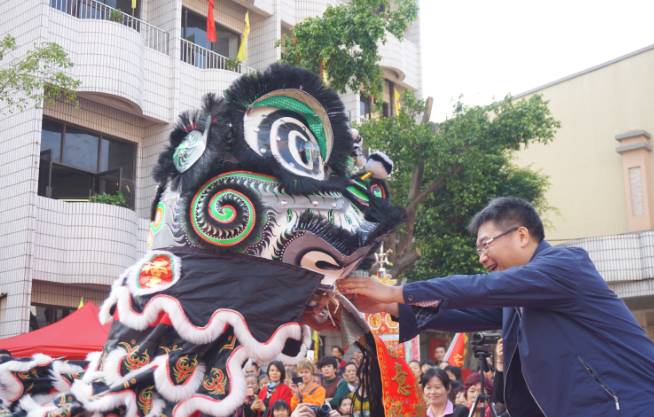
column 307, row 391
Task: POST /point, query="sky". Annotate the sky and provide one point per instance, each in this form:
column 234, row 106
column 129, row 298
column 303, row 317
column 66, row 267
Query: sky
column 484, row 49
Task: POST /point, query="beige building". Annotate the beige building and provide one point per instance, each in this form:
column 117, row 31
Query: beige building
column 600, row 171
column 138, row 69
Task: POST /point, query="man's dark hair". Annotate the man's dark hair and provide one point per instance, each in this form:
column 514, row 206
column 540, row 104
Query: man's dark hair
column 328, row 360
column 507, row 212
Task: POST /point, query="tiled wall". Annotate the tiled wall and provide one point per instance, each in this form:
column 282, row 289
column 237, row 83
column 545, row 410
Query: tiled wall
column 19, row 145
column 265, row 32
column 154, row 142
column 84, row 243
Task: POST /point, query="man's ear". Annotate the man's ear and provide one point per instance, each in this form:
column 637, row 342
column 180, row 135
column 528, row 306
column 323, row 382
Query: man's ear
column 525, row 237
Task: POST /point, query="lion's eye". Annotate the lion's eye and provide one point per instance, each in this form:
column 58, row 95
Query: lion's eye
column 294, row 129
column 286, row 137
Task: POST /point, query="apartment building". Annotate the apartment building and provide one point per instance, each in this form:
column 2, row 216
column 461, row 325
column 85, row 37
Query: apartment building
column 139, row 68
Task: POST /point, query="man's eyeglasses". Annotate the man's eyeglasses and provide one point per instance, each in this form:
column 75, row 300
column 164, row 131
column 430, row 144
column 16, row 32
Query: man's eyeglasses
column 482, row 249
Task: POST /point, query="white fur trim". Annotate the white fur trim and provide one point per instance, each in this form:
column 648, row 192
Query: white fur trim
column 92, row 368
column 225, row 407
column 135, row 272
column 33, row 408
column 60, row 383
column 84, row 394
column 157, row 406
column 12, row 387
column 167, row 388
column 215, row 327
column 104, row 315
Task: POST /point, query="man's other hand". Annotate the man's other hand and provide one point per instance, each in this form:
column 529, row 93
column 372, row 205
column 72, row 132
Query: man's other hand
column 370, row 293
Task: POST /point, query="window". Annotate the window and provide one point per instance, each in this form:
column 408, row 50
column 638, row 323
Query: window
column 389, row 99
column 194, row 29
column 365, row 107
column 77, row 163
column 43, row 315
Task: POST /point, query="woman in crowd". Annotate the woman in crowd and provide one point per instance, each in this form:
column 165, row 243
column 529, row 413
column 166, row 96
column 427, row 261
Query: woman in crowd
column 251, row 389
column 273, row 391
column 345, row 406
column 415, row 368
column 453, row 372
column 436, row 386
column 307, row 391
column 473, row 389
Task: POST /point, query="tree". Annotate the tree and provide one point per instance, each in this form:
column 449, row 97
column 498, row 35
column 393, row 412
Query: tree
column 39, row 76
column 445, row 173
column 342, row 44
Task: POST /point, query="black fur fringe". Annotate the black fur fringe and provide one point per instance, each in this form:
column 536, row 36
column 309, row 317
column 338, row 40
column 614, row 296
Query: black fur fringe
column 369, row 374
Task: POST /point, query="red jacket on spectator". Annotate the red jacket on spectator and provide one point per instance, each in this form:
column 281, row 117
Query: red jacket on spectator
column 281, row 392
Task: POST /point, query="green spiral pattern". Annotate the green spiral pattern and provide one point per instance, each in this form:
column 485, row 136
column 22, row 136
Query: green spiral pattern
column 220, row 215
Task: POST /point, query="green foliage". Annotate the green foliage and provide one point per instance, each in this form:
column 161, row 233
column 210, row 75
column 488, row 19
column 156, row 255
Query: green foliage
column 343, row 42
column 38, row 76
column 445, row 173
column 231, row 64
column 117, row 199
column 116, row 16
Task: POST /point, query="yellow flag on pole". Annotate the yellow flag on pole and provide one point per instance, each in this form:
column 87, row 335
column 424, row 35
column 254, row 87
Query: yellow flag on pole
column 242, row 54
column 133, row 4
column 397, row 98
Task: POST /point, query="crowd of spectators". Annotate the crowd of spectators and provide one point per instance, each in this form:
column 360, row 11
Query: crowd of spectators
column 307, row 390
column 448, row 395
column 304, row 390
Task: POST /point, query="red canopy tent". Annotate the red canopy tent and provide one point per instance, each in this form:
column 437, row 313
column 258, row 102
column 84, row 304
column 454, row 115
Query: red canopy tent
column 71, row 337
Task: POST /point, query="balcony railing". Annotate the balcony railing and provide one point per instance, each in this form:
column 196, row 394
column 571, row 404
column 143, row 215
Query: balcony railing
column 624, row 257
column 204, row 58
column 153, row 37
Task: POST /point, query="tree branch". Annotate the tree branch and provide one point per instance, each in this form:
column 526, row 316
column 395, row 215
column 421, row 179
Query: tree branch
column 405, row 262
column 407, row 237
column 432, row 187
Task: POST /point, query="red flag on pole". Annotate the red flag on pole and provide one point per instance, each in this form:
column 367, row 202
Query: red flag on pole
column 457, row 350
column 211, row 25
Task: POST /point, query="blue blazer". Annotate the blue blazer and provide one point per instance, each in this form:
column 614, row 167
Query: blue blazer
column 571, row 347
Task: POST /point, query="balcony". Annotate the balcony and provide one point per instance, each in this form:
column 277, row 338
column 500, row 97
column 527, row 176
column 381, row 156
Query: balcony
column 120, row 60
column 625, row 261
column 204, row 58
column 401, row 57
column 85, row 243
column 153, row 37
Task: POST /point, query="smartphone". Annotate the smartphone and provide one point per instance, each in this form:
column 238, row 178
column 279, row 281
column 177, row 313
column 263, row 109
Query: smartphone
column 297, row 380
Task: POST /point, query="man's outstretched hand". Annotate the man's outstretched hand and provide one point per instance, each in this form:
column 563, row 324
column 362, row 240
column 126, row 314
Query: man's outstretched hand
column 371, row 296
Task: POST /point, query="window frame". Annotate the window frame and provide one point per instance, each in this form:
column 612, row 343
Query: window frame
column 184, row 24
column 96, row 174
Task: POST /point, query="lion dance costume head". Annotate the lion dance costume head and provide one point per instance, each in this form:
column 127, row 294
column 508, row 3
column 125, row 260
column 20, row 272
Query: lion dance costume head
column 261, row 205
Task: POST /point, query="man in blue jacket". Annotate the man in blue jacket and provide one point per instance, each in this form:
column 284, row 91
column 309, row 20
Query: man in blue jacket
column 572, row 348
